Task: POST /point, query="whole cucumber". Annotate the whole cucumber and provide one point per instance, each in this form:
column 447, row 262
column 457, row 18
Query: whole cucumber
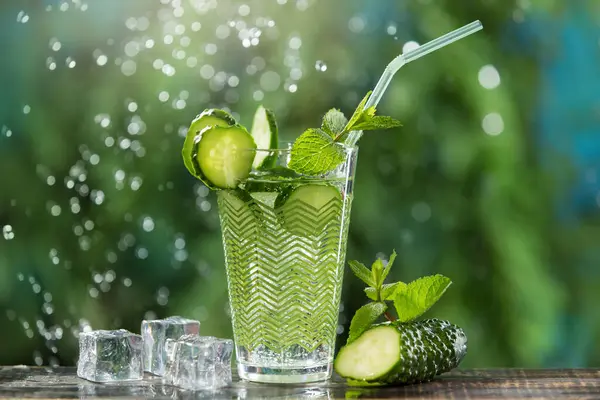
column 402, row 353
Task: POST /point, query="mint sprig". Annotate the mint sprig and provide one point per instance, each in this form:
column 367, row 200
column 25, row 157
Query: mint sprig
column 410, row 300
column 318, row 151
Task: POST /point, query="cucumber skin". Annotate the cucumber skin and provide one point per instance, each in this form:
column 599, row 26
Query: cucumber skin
column 427, row 348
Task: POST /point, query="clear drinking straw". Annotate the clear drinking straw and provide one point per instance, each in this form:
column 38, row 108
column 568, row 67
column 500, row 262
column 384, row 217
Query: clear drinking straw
column 409, row 56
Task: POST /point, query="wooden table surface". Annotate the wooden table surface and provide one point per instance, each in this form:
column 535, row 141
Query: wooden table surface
column 62, row 383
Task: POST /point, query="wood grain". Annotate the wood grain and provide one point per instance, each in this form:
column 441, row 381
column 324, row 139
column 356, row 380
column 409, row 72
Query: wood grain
column 62, row 383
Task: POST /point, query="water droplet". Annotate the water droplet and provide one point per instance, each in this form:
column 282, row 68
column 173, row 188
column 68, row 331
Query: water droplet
column 54, row 44
column 93, row 292
column 391, row 29
column 210, row 48
column 141, row 253
column 127, row 282
column 148, row 224
column 270, row 81
column 180, row 243
column 409, row 46
column 55, row 210
column 164, row 96
column 421, row 212
column 50, row 63
column 37, row 358
column 493, row 124
column 222, row 32
column 356, row 24
column 295, row 43
column 22, row 17
column 70, row 62
column 207, row 71
column 7, row 232
column 162, row 296
column 132, row 48
column 320, row 66
column 128, row 67
column 258, row 95
column 489, row 77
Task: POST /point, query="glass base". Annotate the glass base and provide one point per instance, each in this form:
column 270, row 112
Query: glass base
column 263, row 374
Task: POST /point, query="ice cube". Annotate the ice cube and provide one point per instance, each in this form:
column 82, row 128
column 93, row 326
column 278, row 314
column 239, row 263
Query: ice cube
column 223, row 364
column 106, row 356
column 169, row 358
column 201, row 362
column 156, row 332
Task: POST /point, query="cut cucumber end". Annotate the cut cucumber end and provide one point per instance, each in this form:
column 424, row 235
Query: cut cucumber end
column 265, row 134
column 371, row 356
column 222, row 156
column 210, row 117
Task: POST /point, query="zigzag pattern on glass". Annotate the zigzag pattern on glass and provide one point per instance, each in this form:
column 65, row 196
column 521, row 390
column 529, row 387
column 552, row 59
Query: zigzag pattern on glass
column 284, row 269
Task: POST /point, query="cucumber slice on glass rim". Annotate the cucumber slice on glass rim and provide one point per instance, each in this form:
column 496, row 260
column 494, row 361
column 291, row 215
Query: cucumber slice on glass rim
column 265, row 134
column 222, row 156
column 210, row 117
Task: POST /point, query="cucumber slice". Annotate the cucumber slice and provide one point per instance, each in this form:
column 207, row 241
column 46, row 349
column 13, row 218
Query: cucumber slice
column 402, row 353
column 222, row 156
column 210, row 117
column 264, row 132
column 307, row 209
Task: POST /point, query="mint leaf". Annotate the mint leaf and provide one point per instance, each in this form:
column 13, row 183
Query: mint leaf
column 315, row 153
column 390, row 262
column 364, row 318
column 357, row 113
column 387, row 292
column 414, row 299
column 334, row 122
column 376, row 122
column 376, row 271
column 361, row 272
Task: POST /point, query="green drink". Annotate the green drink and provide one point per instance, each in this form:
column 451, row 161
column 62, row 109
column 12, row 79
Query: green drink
column 284, row 212
column 284, row 239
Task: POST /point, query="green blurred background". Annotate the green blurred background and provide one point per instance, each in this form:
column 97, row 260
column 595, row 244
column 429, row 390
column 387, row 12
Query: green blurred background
column 492, row 181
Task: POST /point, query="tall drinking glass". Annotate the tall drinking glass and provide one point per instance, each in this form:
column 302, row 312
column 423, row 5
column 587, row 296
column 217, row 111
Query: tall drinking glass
column 284, row 237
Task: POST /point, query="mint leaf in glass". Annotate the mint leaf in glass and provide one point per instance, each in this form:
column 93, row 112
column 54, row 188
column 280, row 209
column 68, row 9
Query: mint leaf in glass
column 315, row 153
column 414, row 299
column 364, row 318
